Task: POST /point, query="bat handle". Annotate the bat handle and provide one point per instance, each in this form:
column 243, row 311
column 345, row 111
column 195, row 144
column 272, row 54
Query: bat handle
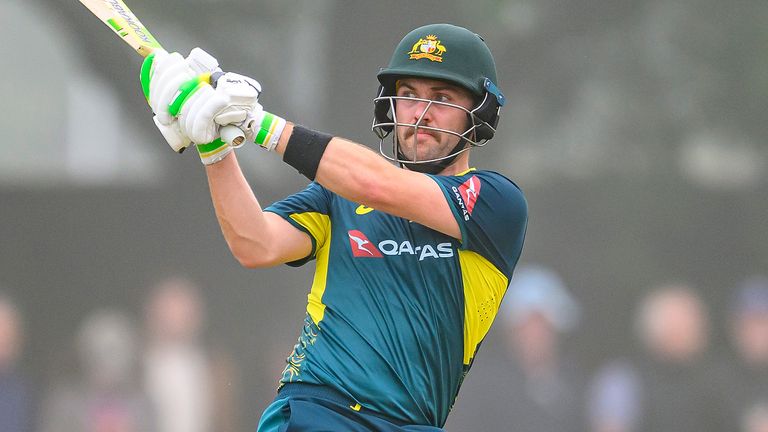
column 232, row 135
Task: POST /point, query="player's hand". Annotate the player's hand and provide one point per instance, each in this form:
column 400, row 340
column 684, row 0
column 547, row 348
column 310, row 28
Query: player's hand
column 179, row 92
column 259, row 126
column 241, row 109
column 189, row 110
column 244, row 111
column 202, row 114
column 161, row 76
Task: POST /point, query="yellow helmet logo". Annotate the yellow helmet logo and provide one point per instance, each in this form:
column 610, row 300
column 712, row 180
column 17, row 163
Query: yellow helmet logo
column 428, row 48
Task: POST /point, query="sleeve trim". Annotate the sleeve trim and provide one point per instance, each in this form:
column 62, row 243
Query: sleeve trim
column 290, row 219
column 456, row 215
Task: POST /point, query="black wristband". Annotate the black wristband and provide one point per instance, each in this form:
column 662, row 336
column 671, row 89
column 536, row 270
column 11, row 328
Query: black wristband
column 304, row 150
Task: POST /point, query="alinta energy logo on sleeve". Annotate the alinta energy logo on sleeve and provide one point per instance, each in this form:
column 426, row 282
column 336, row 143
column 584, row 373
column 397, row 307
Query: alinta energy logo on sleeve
column 467, row 193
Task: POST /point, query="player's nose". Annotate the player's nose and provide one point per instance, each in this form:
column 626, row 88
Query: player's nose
column 422, row 112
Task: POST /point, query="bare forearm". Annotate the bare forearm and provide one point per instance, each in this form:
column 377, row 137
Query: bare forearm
column 238, row 211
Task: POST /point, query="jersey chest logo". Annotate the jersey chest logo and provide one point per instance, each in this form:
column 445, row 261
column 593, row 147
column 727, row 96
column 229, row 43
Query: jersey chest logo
column 362, row 209
column 362, row 247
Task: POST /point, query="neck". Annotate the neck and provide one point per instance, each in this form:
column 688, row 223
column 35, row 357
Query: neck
column 460, row 165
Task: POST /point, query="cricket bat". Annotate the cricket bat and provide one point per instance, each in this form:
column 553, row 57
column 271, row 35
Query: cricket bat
column 119, row 18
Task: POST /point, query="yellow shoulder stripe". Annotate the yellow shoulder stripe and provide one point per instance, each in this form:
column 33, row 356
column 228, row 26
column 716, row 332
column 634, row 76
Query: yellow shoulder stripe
column 319, row 226
column 316, row 223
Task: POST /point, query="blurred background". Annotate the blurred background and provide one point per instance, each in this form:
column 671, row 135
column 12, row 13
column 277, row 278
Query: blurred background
column 636, row 129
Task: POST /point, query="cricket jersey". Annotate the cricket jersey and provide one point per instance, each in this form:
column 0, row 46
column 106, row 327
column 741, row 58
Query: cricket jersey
column 397, row 310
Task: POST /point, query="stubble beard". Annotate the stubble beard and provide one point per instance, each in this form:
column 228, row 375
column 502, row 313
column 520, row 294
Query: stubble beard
column 434, row 145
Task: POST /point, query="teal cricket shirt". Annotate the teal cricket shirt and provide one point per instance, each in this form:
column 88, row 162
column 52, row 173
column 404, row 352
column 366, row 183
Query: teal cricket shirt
column 397, row 310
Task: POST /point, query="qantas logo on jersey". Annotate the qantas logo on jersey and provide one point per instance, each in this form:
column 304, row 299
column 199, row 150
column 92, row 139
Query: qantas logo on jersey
column 362, row 247
column 467, row 194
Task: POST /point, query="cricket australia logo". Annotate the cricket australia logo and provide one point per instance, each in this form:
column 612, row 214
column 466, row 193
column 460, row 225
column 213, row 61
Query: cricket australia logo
column 429, row 48
column 467, row 194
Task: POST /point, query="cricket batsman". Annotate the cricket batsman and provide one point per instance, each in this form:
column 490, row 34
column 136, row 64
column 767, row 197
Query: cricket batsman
column 414, row 250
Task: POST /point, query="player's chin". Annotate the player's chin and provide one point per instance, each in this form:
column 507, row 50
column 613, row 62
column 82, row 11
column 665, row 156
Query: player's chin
column 419, row 146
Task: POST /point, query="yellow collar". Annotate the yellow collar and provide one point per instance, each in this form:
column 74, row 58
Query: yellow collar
column 465, row 172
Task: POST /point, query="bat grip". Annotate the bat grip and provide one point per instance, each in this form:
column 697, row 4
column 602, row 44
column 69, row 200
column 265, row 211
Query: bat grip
column 232, row 135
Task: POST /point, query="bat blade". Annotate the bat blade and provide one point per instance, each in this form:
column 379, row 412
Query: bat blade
column 119, row 18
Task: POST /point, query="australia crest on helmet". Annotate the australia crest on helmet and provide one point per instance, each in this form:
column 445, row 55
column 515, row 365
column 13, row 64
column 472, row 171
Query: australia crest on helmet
column 428, row 48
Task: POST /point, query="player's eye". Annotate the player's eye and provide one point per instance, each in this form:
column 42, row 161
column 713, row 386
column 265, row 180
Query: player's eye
column 442, row 98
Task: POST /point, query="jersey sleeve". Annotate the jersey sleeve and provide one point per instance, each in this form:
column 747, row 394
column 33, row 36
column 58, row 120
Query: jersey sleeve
column 308, row 211
column 492, row 215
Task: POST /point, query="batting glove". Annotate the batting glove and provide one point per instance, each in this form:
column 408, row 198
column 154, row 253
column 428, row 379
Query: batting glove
column 179, row 92
column 162, row 75
column 189, row 110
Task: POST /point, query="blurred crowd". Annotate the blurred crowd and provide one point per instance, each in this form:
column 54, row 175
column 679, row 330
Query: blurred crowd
column 157, row 375
column 160, row 374
column 672, row 382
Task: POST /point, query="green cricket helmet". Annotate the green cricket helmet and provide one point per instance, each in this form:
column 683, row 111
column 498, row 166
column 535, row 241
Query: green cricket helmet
column 443, row 52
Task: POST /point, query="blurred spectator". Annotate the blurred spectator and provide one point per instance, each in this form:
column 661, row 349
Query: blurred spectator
column 614, row 399
column 105, row 398
column 747, row 381
column 15, row 399
column 756, row 418
column 190, row 385
column 671, row 387
column 533, row 386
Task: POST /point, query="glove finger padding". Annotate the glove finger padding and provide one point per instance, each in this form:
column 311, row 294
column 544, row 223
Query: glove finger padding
column 206, row 109
column 241, row 89
column 242, row 94
column 168, row 80
column 173, row 135
column 233, row 115
column 196, row 116
column 202, row 62
column 178, row 92
column 148, row 70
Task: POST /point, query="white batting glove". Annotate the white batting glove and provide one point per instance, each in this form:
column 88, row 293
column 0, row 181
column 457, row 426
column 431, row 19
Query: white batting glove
column 189, row 110
column 168, row 78
column 260, row 127
column 234, row 102
column 235, row 97
column 203, row 113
